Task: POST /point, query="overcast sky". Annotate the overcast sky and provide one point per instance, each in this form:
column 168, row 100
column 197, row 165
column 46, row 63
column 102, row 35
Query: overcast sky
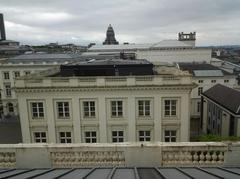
column 217, row 22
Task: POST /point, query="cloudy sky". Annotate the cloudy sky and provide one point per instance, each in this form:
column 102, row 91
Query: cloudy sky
column 217, row 22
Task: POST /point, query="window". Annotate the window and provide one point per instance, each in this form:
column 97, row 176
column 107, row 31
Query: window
column 170, row 136
column 27, row 72
column 91, row 137
column 65, row 137
column 10, row 107
column 6, row 75
column 198, row 106
column 170, row 107
column 63, row 109
column 200, row 90
column 213, row 81
column 89, row 108
column 37, row 110
column 200, row 81
column 144, row 136
column 226, row 81
column 8, row 90
column 117, row 108
column 16, row 74
column 117, row 136
column 40, row 137
column 144, row 108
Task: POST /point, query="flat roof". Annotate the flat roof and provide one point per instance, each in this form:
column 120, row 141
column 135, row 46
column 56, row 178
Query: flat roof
column 124, row 173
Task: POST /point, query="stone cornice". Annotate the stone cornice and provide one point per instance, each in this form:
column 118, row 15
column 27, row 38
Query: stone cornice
column 103, row 88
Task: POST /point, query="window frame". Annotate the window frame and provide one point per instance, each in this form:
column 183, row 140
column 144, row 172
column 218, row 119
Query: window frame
column 90, row 113
column 171, row 106
column 170, row 136
column 38, row 116
column 65, row 138
column 65, row 110
column 117, row 138
column 6, row 75
column 40, row 137
column 91, row 137
column 200, row 90
column 143, row 106
column 146, row 138
column 118, row 108
column 10, row 107
column 16, row 76
column 8, row 90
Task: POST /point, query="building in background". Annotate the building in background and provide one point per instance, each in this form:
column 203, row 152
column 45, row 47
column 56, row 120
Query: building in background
column 110, row 37
column 105, row 101
column 221, row 111
column 205, row 76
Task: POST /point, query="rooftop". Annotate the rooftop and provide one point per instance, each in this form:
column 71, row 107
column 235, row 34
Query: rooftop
column 203, row 69
column 124, row 172
column 224, row 96
column 161, row 44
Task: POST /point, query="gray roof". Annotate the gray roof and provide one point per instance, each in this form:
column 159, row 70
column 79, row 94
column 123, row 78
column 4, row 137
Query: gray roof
column 161, row 44
column 224, row 96
column 203, row 69
column 110, row 62
column 124, row 173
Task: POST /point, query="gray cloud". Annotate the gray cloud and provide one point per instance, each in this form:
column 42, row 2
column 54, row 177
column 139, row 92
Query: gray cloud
column 136, row 21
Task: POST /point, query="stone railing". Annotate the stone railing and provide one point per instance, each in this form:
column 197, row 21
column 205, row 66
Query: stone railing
column 198, row 154
column 125, row 154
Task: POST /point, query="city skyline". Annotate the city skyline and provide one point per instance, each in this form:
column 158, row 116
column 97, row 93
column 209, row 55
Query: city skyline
column 41, row 22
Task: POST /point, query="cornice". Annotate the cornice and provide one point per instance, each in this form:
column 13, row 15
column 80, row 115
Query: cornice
column 103, row 88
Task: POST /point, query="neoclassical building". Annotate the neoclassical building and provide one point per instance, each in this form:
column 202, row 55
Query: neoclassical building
column 105, row 101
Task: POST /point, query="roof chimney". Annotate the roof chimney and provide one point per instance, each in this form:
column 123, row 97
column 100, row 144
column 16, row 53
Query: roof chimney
column 2, row 28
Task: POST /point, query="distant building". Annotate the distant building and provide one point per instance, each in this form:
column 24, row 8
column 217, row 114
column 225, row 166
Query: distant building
column 205, row 76
column 221, row 111
column 180, row 50
column 105, row 101
column 110, row 37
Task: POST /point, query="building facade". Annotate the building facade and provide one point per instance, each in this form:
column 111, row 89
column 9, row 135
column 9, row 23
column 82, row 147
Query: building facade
column 205, row 76
column 221, row 111
column 113, row 108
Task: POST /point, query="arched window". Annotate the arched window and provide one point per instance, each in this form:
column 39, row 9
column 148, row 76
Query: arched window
column 10, row 107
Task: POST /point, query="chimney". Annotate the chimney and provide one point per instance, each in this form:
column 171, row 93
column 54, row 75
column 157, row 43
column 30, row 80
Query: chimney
column 2, row 28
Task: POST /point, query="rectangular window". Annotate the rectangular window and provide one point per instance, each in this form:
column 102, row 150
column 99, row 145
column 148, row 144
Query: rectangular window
column 65, row 137
column 117, row 136
column 200, row 90
column 200, row 81
column 91, row 137
column 226, row 81
column 198, row 106
column 144, row 136
column 37, row 110
column 170, row 107
column 6, row 75
column 40, row 137
column 8, row 90
column 89, row 109
column 144, row 108
column 117, row 108
column 170, row 136
column 213, row 81
column 27, row 72
column 16, row 74
column 63, row 109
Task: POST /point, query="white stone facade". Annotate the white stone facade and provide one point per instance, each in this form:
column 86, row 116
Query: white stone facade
column 105, row 109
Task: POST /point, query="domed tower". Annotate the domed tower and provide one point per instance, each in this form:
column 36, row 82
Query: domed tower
column 110, row 37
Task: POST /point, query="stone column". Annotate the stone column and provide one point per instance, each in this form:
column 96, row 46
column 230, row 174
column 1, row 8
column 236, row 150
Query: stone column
column 76, row 120
column 131, row 117
column 49, row 108
column 102, row 119
column 157, row 117
column 184, row 107
column 24, row 120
